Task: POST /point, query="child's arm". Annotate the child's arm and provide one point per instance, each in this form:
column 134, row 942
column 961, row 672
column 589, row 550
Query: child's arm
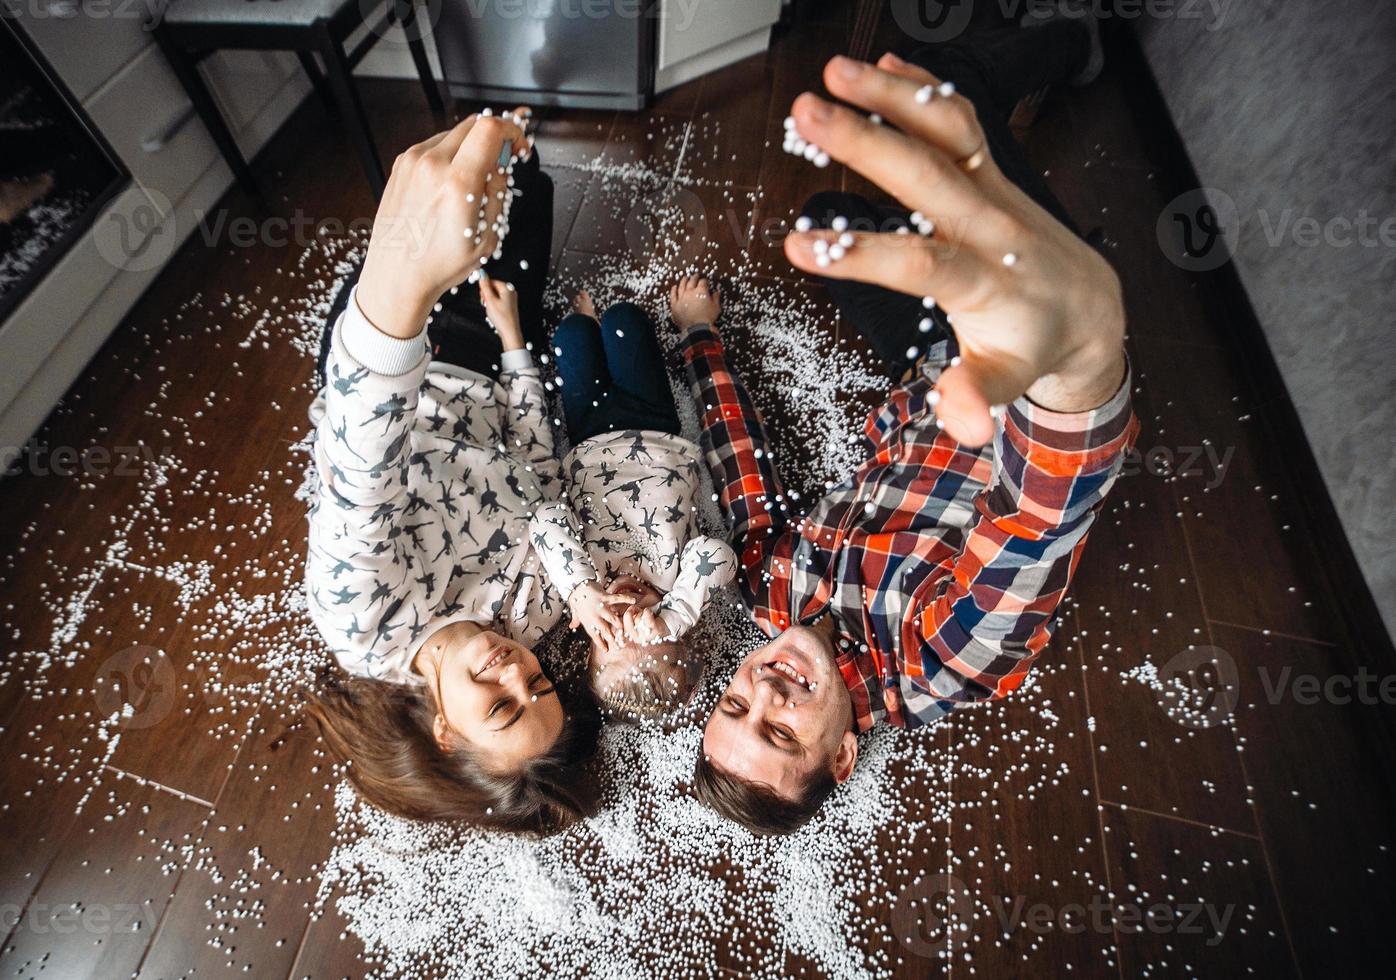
column 557, row 539
column 527, row 430
column 705, row 566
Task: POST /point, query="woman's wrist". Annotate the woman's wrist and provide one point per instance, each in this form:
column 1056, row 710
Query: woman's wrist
column 396, row 307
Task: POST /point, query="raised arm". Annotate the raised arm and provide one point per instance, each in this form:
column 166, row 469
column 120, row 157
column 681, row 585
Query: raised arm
column 1038, row 318
column 439, row 220
column 528, row 431
column 976, row 630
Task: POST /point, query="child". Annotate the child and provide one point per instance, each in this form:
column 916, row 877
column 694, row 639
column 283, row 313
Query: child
column 621, row 545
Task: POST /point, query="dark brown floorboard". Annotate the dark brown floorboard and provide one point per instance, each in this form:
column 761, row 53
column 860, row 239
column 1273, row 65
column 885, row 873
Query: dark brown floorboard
column 1280, row 811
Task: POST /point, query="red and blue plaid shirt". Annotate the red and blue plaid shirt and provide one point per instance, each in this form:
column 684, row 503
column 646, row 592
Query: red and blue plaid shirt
column 942, row 566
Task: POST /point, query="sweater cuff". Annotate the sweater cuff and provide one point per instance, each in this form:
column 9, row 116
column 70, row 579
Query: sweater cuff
column 375, row 350
column 519, row 359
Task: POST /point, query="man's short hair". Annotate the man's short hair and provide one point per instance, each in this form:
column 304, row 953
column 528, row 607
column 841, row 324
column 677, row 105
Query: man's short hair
column 756, row 806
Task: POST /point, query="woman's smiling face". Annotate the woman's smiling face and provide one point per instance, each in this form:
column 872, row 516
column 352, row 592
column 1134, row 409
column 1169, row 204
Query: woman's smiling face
column 492, row 693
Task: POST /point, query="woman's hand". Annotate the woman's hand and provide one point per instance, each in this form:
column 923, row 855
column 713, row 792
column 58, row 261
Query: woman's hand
column 1035, row 310
column 501, row 303
column 437, row 221
column 599, row 613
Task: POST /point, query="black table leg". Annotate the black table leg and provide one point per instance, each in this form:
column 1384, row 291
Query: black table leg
column 317, row 79
column 351, row 110
column 187, row 72
column 408, row 19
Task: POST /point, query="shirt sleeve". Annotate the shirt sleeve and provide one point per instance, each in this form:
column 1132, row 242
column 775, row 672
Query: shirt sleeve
column 979, row 627
column 705, row 566
column 361, row 593
column 735, row 447
column 557, row 539
column 528, row 430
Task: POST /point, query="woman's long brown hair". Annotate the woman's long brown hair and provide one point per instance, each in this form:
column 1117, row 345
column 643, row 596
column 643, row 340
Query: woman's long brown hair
column 384, row 732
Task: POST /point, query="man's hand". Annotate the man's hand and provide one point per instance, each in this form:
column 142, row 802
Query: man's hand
column 693, row 301
column 501, row 304
column 1035, row 310
column 436, row 221
column 599, row 613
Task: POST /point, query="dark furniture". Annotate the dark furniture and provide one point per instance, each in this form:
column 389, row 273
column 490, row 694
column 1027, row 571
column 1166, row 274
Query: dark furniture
column 188, row 30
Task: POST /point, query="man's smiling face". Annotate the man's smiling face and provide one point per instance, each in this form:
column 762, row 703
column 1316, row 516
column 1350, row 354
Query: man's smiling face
column 785, row 715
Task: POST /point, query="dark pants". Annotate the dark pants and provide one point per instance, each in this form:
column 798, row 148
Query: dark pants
column 458, row 332
column 613, row 375
column 994, row 71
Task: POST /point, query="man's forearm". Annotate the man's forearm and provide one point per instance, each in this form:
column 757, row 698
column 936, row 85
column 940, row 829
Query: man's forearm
column 734, row 437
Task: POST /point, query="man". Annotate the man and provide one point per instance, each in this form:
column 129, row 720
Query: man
column 931, row 578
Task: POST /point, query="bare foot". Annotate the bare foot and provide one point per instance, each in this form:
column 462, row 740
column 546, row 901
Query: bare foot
column 694, row 302
column 582, row 303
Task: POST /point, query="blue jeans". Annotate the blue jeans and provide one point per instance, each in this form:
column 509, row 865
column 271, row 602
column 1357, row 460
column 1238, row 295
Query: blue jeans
column 613, row 375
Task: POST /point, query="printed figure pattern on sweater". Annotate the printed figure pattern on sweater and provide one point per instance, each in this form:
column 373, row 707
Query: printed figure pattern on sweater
column 427, row 483
column 628, row 510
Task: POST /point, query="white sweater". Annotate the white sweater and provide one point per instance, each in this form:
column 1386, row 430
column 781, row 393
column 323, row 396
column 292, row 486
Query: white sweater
column 629, row 511
column 428, row 476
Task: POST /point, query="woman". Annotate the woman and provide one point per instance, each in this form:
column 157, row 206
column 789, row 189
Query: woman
column 433, row 449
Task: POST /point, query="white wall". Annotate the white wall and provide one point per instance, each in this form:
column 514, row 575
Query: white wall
column 1289, row 107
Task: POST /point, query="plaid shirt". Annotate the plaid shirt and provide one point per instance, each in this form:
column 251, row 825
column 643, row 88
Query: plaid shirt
column 942, row 566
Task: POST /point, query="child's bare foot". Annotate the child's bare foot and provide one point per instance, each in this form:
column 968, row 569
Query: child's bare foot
column 582, row 303
column 694, row 302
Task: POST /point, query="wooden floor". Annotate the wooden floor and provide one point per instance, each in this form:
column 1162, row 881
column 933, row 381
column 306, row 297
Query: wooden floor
column 142, row 855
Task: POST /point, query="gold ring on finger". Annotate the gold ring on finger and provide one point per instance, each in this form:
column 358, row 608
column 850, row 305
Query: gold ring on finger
column 974, row 161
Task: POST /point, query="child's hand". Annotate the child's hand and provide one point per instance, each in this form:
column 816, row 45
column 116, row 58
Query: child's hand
column 694, row 301
column 501, row 304
column 599, row 613
column 642, row 625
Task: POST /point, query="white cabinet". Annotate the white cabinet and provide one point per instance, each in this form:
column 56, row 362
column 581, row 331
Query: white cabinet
column 150, row 123
column 86, row 41
column 699, row 36
column 107, row 60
